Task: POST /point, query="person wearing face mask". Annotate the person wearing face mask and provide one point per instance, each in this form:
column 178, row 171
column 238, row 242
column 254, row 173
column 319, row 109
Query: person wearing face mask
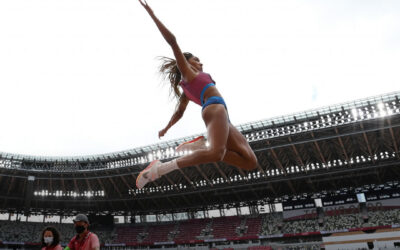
column 84, row 239
column 50, row 239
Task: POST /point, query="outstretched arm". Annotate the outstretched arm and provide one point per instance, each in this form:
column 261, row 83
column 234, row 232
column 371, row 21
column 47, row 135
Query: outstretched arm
column 184, row 67
column 180, row 109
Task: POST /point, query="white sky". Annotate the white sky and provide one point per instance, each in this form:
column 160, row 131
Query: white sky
column 79, row 77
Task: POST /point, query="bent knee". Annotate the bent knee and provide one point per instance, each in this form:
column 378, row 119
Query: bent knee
column 217, row 154
column 251, row 163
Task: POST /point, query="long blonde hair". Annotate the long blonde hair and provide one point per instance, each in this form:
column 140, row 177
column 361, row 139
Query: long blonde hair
column 169, row 69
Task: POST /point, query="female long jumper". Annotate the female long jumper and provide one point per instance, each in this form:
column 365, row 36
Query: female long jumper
column 226, row 143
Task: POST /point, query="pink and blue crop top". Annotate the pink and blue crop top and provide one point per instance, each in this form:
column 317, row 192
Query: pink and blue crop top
column 195, row 89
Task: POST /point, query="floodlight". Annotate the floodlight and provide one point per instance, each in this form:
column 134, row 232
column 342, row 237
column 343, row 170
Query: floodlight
column 361, row 198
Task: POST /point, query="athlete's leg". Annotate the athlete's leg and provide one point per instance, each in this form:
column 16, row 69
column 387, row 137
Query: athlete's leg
column 216, row 120
column 226, row 144
column 239, row 152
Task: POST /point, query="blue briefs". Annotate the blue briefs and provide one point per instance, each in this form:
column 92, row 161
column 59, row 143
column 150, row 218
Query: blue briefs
column 214, row 100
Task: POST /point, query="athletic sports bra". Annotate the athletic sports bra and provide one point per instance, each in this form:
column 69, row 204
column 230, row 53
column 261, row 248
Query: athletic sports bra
column 195, row 89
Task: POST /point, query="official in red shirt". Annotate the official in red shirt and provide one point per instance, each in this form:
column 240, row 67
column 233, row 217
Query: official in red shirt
column 84, row 240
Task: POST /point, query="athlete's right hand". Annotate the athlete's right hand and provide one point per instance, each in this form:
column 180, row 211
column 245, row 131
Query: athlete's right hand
column 162, row 132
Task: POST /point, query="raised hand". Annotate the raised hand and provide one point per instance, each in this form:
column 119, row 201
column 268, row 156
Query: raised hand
column 146, row 6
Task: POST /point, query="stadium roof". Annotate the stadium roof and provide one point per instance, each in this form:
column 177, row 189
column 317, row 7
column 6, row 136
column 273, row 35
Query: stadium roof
column 244, row 128
column 346, row 145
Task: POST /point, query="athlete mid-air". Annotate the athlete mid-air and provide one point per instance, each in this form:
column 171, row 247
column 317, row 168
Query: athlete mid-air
column 226, row 143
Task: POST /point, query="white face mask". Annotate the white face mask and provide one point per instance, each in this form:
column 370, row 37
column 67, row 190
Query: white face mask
column 48, row 240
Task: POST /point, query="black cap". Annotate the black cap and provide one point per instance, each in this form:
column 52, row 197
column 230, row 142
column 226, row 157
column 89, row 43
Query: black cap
column 81, row 217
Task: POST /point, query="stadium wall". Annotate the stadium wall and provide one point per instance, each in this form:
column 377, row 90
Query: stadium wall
column 349, row 208
column 382, row 238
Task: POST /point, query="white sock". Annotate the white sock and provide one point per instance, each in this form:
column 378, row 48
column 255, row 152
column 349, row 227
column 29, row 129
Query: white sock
column 167, row 167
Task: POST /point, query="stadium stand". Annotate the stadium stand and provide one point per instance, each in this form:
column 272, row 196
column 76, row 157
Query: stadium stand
column 159, row 233
column 260, row 248
column 271, row 224
column 191, row 231
column 252, row 226
column 331, row 155
column 17, row 231
column 128, row 234
column 225, row 227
